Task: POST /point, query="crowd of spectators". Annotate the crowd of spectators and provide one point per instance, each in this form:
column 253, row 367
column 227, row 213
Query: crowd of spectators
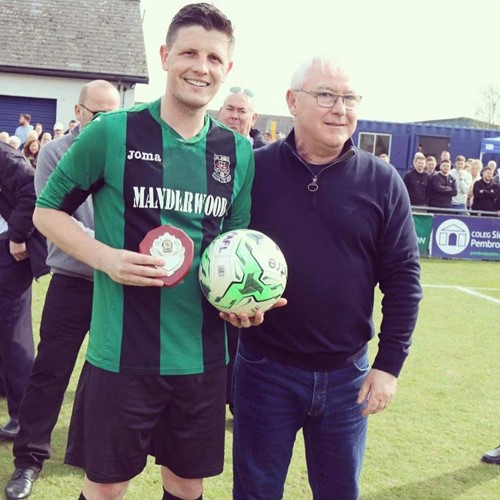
column 465, row 186
column 29, row 139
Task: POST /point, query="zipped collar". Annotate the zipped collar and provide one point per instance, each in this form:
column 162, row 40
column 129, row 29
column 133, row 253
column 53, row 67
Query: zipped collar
column 347, row 152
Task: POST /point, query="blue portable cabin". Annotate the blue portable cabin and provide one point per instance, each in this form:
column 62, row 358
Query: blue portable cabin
column 402, row 140
column 459, row 136
column 490, row 149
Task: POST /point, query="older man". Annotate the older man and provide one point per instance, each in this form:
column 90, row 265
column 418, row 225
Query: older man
column 343, row 220
column 238, row 113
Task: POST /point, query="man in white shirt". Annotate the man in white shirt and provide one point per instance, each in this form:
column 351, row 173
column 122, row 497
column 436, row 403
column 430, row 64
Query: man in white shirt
column 463, row 181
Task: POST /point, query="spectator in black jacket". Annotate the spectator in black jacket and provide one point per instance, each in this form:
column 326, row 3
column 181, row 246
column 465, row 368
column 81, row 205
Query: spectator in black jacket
column 258, row 138
column 430, row 164
column 22, row 256
column 442, row 187
column 486, row 192
column 416, row 181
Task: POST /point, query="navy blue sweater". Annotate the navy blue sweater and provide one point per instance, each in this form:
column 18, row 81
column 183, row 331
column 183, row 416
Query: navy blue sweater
column 354, row 232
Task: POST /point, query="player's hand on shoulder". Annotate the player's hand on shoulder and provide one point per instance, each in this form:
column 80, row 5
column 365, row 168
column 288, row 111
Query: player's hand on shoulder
column 132, row 268
column 244, row 321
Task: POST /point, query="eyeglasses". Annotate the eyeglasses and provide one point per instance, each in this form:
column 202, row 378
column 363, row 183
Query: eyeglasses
column 247, row 92
column 90, row 111
column 329, row 99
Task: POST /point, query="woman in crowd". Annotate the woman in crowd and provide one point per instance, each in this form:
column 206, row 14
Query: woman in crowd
column 30, row 151
column 39, row 130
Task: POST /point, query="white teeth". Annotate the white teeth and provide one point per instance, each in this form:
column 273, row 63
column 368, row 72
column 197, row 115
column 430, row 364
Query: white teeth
column 197, row 83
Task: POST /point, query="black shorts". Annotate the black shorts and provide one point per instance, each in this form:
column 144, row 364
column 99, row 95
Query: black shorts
column 119, row 419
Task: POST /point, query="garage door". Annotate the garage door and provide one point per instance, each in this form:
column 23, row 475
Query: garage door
column 41, row 110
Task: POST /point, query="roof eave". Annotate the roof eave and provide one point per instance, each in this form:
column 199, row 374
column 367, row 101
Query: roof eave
column 85, row 75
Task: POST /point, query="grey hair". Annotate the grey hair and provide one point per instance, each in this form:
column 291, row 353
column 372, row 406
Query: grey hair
column 327, row 64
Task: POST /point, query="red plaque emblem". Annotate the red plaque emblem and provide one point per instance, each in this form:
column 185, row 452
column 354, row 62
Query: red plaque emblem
column 174, row 246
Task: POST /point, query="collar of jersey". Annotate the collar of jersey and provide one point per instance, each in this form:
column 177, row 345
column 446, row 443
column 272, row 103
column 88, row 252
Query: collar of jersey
column 156, row 112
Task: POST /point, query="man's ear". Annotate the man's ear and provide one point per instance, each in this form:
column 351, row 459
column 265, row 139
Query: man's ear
column 164, row 56
column 78, row 111
column 291, row 101
column 229, row 67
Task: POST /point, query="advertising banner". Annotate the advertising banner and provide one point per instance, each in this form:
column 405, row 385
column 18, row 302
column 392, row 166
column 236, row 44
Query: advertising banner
column 476, row 238
column 423, row 227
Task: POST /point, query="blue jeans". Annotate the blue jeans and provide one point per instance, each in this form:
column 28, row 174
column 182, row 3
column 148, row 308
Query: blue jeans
column 272, row 402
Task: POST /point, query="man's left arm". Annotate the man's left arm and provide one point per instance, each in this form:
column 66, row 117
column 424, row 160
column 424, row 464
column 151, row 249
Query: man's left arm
column 238, row 216
column 398, row 273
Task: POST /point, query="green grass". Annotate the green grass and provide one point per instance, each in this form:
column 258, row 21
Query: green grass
column 427, row 445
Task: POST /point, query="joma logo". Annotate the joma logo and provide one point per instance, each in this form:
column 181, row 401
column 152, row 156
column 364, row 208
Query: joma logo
column 142, row 155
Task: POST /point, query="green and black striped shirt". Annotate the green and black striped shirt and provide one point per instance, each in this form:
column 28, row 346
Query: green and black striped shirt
column 142, row 174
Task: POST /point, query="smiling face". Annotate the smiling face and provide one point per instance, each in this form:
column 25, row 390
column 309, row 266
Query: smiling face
column 34, row 147
column 197, row 63
column 321, row 133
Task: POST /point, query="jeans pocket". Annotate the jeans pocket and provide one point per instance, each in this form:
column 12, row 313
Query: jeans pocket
column 362, row 364
column 250, row 357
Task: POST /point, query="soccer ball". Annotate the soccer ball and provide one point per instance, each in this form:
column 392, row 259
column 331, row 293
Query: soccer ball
column 243, row 271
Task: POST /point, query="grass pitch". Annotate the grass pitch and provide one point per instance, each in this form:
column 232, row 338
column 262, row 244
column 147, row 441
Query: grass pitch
column 427, row 445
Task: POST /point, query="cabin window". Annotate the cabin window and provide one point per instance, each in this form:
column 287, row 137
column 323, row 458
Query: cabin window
column 376, row 144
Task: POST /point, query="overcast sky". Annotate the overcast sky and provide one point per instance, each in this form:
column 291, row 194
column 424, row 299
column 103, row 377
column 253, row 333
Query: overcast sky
column 414, row 60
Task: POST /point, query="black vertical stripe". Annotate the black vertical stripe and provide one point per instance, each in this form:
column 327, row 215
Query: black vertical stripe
column 141, row 306
column 219, row 142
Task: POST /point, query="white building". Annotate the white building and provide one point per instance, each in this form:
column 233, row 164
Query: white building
column 51, row 48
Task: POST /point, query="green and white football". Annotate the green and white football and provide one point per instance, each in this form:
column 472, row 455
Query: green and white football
column 243, row 271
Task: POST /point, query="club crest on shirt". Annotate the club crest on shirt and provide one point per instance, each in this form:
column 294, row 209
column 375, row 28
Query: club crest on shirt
column 222, row 172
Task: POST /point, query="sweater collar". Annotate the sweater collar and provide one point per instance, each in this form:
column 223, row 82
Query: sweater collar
column 347, row 151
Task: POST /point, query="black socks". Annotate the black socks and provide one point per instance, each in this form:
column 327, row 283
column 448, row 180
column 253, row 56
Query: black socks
column 169, row 496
